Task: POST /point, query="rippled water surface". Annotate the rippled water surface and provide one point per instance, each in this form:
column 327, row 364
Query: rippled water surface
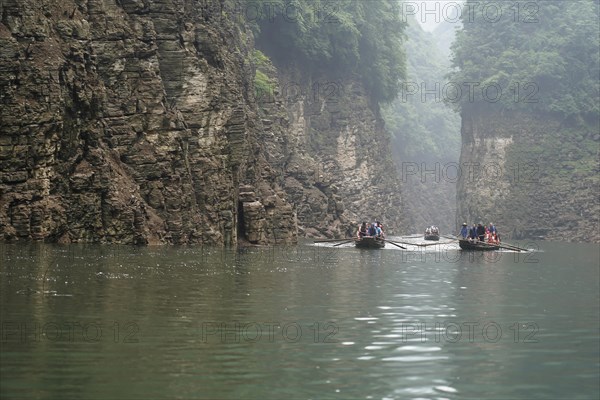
column 301, row 322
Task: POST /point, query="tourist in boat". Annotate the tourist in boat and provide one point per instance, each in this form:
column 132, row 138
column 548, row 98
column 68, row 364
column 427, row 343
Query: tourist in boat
column 473, row 233
column 464, row 231
column 380, row 226
column 373, row 230
column 480, row 232
column 493, row 238
column 362, row 231
column 493, row 230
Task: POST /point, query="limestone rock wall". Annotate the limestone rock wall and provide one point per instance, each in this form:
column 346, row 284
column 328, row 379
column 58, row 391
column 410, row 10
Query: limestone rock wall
column 535, row 177
column 127, row 121
column 136, row 121
column 335, row 163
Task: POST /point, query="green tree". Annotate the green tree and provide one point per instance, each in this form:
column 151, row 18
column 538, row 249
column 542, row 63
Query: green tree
column 336, row 37
column 423, row 130
column 544, row 55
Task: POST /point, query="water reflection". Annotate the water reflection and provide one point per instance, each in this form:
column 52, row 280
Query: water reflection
column 298, row 322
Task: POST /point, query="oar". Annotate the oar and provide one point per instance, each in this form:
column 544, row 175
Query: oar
column 339, row 244
column 329, row 240
column 449, row 237
column 501, row 246
column 429, row 244
column 511, row 247
column 397, row 245
column 400, row 242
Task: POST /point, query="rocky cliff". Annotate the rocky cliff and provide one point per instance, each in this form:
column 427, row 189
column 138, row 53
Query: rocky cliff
column 129, row 122
column 535, row 176
column 335, row 161
column 135, row 121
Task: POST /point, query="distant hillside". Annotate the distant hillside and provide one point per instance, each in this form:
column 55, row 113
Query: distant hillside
column 425, row 131
column 444, row 34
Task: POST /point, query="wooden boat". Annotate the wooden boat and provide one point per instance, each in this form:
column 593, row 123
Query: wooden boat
column 369, row 242
column 432, row 233
column 432, row 236
column 474, row 246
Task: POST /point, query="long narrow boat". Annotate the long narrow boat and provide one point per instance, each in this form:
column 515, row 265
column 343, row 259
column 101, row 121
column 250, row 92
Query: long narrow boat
column 369, row 242
column 473, row 246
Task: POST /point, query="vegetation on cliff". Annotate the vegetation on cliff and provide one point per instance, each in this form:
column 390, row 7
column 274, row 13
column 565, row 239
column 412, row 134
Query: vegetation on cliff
column 341, row 37
column 532, row 117
column 543, row 55
column 423, row 129
column 263, row 86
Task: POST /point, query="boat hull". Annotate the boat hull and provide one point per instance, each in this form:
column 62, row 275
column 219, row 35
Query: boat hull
column 369, row 242
column 476, row 246
column 432, row 237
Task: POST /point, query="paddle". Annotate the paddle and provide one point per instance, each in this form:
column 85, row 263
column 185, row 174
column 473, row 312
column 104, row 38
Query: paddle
column 339, row 244
column 330, row 240
column 429, row 244
column 400, row 242
column 397, row 245
column 449, row 237
column 511, row 247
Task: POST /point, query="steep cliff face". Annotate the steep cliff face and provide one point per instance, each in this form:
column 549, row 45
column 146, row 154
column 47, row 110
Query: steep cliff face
column 129, row 122
column 135, row 121
column 534, row 176
column 337, row 162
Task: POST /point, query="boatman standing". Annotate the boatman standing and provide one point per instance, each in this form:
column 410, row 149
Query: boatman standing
column 464, row 232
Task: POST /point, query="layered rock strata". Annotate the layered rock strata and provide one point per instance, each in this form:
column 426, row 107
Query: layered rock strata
column 135, row 121
column 534, row 176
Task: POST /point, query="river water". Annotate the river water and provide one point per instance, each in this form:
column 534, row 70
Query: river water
column 299, row 322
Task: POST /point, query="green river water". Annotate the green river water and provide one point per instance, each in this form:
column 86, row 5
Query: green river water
column 299, row 322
